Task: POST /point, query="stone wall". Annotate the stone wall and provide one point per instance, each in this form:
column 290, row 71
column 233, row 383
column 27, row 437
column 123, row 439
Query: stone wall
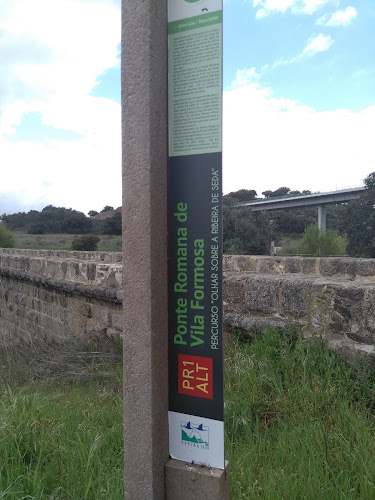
column 58, row 298
column 334, row 297
column 62, row 296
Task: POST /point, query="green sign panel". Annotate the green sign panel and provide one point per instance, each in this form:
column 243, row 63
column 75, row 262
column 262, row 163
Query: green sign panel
column 196, row 427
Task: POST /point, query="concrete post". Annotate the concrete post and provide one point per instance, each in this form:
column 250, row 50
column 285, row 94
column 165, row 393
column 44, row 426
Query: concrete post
column 145, row 301
column 186, row 481
column 322, row 218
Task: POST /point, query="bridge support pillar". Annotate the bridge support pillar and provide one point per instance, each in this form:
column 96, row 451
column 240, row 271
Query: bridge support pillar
column 322, row 218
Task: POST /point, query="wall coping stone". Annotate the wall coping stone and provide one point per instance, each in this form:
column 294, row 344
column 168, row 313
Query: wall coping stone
column 110, row 257
column 339, row 267
column 95, row 291
column 102, row 280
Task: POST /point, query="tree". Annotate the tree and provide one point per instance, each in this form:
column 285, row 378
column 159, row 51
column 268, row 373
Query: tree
column 87, row 242
column 281, row 191
column 37, row 228
column 112, row 225
column 267, row 193
column 7, row 238
column 370, row 181
column 292, row 221
column 14, row 221
column 358, row 222
column 241, row 195
column 50, row 220
column 92, row 213
column 319, row 244
column 245, row 232
column 107, row 208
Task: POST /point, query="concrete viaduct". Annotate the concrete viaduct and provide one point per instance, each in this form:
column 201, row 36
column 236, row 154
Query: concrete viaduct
column 306, row 200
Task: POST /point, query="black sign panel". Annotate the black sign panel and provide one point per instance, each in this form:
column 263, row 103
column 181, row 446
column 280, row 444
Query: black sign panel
column 195, row 270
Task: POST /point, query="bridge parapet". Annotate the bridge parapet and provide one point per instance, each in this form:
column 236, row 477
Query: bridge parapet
column 332, row 297
column 62, row 270
column 59, row 297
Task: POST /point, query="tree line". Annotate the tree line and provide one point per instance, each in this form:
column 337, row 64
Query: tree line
column 55, row 220
column 244, row 231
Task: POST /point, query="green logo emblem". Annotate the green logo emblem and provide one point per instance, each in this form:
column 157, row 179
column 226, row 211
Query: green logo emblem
column 194, row 435
column 191, row 1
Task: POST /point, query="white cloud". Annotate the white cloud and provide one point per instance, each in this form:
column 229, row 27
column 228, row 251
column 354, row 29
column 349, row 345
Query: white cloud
column 311, row 6
column 64, row 46
column 278, row 5
column 271, row 142
column 316, row 44
column 83, row 174
column 246, row 77
column 267, row 7
column 338, row 18
column 260, row 13
column 319, row 43
column 52, row 54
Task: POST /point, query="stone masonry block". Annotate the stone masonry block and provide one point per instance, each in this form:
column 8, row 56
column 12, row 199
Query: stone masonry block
column 262, row 295
column 296, row 298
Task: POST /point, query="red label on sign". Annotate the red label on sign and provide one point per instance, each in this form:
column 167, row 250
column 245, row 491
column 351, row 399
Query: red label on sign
column 195, row 376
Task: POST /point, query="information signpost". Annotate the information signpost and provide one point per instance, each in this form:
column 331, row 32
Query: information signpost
column 196, row 406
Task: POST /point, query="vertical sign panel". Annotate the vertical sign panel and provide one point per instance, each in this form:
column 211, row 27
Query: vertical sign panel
column 196, row 406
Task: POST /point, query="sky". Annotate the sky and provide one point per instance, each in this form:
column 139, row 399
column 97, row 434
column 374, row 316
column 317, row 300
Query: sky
column 298, row 99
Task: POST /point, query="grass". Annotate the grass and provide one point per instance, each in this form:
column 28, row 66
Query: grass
column 299, row 422
column 107, row 243
column 61, row 424
column 63, row 440
column 299, row 425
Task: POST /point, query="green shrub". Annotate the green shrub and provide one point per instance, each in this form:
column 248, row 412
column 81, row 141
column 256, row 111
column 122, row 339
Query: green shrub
column 319, row 244
column 87, row 242
column 7, row 238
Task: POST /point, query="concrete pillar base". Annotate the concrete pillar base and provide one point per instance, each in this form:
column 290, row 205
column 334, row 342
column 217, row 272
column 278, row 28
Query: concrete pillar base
column 186, row 481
